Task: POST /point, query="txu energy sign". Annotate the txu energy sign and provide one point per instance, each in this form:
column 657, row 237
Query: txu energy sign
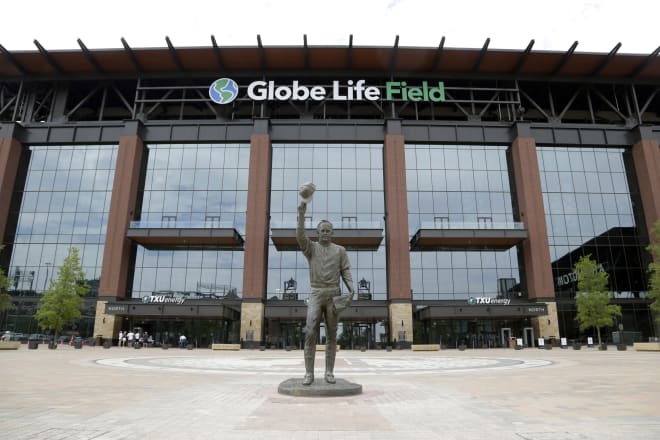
column 225, row 91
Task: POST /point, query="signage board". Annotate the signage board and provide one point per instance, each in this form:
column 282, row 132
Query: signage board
column 116, row 308
column 489, row 301
column 226, row 90
column 163, row 299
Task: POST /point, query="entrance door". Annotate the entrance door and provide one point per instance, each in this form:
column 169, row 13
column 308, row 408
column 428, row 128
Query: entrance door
column 505, row 333
column 287, row 334
column 528, row 336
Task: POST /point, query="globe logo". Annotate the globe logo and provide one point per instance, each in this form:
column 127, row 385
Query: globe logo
column 223, row 91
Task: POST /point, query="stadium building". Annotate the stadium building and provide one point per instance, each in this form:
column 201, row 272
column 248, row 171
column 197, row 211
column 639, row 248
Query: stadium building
column 465, row 184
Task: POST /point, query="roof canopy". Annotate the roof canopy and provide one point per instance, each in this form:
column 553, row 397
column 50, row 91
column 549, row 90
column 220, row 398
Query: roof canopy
column 440, row 60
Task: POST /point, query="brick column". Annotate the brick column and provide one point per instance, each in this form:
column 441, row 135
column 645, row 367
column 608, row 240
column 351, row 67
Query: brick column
column 535, row 249
column 117, row 250
column 646, row 159
column 10, row 155
column 397, row 241
column 255, row 267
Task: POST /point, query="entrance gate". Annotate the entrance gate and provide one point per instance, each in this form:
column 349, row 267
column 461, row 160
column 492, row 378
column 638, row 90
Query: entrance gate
column 505, row 336
column 528, row 336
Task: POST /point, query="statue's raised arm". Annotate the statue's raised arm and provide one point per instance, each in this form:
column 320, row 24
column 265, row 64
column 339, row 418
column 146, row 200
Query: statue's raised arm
column 301, row 238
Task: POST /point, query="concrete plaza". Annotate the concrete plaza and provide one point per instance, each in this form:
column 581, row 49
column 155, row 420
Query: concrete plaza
column 530, row 394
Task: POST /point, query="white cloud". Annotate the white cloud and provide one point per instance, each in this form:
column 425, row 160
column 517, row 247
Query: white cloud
column 510, row 24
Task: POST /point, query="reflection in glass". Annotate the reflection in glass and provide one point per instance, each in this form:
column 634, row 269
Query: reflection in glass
column 194, row 182
column 593, row 216
column 468, row 184
column 65, row 202
column 349, row 178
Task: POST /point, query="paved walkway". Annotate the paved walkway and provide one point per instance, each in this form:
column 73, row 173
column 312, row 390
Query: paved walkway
column 531, row 394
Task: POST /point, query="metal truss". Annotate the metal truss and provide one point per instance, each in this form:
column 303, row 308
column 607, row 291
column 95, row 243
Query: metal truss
column 487, row 100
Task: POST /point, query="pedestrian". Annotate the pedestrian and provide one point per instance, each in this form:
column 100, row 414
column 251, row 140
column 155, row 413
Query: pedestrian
column 130, row 337
column 120, row 338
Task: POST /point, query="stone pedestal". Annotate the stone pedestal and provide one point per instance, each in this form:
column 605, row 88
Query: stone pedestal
column 319, row 388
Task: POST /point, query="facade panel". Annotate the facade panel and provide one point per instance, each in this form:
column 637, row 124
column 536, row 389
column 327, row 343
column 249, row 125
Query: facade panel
column 464, row 194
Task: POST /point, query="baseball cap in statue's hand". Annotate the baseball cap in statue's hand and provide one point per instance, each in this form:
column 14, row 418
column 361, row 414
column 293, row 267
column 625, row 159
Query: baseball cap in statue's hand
column 306, row 191
column 342, row 302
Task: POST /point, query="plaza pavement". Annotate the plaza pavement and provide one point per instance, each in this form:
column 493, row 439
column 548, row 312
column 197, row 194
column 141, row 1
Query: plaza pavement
column 530, row 394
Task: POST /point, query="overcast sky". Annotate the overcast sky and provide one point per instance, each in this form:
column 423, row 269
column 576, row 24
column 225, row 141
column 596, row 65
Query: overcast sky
column 597, row 25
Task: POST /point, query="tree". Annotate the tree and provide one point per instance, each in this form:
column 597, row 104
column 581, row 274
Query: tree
column 593, row 299
column 654, row 271
column 5, row 299
column 62, row 301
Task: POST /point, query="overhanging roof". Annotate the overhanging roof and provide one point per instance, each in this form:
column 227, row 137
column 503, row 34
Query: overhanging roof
column 297, row 310
column 466, row 239
column 177, row 238
column 441, row 60
column 199, row 309
column 284, row 239
column 466, row 311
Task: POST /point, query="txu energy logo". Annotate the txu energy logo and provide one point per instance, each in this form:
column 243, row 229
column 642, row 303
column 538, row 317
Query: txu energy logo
column 223, row 91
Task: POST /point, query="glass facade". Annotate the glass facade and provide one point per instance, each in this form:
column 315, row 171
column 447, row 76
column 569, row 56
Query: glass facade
column 64, row 203
column 460, row 186
column 350, row 182
column 193, row 185
column 589, row 210
column 589, row 198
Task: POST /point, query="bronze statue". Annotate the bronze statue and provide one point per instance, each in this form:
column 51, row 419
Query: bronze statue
column 327, row 263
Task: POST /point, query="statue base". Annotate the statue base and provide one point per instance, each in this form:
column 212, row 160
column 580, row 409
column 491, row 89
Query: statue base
column 319, row 388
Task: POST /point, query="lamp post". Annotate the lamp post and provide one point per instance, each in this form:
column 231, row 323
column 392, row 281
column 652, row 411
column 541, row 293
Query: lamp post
column 46, row 279
column 622, row 343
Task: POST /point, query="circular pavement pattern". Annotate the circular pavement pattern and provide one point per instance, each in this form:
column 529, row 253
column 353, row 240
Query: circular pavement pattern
column 293, row 365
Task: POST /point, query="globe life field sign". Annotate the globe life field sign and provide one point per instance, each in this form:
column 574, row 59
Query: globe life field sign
column 225, row 91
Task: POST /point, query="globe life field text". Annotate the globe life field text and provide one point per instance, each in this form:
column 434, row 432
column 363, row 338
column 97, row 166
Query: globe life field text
column 348, row 91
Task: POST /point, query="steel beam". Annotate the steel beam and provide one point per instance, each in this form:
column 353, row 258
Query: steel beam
column 395, row 50
column 218, row 55
column 305, row 51
column 131, row 55
column 262, row 54
column 90, row 57
column 607, row 60
column 175, row 56
column 482, row 55
column 565, row 59
column 349, row 55
column 523, row 58
column 438, row 54
column 48, row 58
column 638, row 71
column 12, row 60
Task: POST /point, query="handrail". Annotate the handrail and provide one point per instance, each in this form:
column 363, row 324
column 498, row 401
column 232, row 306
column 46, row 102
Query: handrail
column 275, row 224
column 180, row 224
column 472, row 225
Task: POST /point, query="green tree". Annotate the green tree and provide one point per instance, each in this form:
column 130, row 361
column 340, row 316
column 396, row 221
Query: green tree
column 592, row 298
column 62, row 301
column 5, row 299
column 654, row 270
